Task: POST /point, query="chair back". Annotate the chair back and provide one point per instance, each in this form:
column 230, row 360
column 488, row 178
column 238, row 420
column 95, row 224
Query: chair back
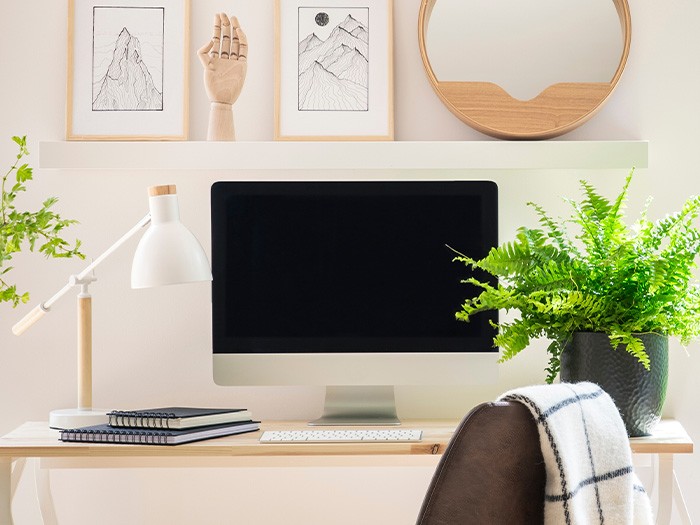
column 491, row 473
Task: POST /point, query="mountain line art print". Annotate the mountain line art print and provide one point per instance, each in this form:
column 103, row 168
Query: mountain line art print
column 127, row 69
column 333, row 62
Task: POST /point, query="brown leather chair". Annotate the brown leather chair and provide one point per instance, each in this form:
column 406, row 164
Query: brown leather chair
column 492, row 472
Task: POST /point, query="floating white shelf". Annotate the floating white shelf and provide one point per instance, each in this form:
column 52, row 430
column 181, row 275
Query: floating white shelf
column 466, row 155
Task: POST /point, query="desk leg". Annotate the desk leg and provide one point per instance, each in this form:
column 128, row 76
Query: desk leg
column 43, row 493
column 680, row 502
column 17, row 475
column 5, row 490
column 664, row 489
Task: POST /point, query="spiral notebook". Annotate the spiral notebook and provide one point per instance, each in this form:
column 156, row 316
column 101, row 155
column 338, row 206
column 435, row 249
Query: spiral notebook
column 177, row 418
column 142, row 436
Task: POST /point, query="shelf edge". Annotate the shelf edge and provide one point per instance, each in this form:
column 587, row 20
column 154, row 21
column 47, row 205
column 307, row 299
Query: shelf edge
column 238, row 156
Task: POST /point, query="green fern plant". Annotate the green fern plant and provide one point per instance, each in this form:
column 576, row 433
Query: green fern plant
column 18, row 228
column 605, row 276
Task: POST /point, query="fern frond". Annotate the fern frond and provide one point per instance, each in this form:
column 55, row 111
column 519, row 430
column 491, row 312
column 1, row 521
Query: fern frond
column 489, row 299
column 555, row 348
column 615, row 212
column 510, row 258
column 594, row 206
column 665, row 228
column 590, row 230
column 549, row 276
column 555, row 230
column 634, row 345
column 541, row 248
column 513, row 338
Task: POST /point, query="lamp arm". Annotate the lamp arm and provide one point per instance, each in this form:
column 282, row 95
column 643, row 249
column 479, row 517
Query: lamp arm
column 38, row 311
column 109, row 251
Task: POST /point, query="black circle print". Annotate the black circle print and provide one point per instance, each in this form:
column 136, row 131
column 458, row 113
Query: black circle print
column 322, row 19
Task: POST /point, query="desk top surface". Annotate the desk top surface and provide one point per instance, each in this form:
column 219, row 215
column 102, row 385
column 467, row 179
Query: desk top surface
column 35, row 439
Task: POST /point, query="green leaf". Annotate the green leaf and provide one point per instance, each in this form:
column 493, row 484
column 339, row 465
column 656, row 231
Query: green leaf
column 24, row 173
column 49, row 202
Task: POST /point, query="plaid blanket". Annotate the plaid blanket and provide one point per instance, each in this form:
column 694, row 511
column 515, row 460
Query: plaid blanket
column 588, row 461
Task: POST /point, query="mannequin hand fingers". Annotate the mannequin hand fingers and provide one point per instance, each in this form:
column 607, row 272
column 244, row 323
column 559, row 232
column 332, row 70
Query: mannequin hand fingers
column 225, row 36
column 216, row 36
column 242, row 41
column 203, row 52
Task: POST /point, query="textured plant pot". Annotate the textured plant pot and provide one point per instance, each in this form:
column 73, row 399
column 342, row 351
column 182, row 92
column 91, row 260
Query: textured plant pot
column 639, row 394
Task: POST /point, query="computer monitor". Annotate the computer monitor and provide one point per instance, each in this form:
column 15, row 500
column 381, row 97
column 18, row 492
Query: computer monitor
column 350, row 285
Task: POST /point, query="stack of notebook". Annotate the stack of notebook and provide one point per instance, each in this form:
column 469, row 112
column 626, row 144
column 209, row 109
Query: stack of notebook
column 165, row 426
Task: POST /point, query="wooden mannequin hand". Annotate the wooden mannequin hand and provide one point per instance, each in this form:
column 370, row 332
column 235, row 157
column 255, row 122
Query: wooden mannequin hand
column 225, row 60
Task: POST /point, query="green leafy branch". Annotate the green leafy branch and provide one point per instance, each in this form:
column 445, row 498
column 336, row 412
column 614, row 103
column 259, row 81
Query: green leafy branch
column 18, row 228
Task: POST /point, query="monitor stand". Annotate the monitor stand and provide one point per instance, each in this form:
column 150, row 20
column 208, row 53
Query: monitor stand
column 358, row 405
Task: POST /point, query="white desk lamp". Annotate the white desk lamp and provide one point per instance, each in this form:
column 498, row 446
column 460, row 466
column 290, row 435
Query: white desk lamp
column 168, row 253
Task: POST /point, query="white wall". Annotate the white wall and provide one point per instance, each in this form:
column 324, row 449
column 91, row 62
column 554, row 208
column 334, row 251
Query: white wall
column 149, row 352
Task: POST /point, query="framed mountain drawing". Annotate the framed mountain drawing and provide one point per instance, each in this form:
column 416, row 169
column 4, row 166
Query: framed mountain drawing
column 333, row 70
column 127, row 70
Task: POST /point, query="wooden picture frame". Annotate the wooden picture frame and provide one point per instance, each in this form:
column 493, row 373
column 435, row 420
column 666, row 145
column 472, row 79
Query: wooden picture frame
column 334, row 70
column 128, row 70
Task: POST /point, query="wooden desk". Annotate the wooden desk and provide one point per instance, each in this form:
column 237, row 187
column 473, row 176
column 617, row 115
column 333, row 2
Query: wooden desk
column 36, row 440
column 669, row 438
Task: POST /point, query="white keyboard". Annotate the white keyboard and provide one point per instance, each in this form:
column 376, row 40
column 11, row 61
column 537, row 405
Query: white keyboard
column 341, row 436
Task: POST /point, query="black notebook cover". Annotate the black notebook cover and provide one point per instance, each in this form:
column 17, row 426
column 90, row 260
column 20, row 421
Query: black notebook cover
column 139, row 436
column 176, row 417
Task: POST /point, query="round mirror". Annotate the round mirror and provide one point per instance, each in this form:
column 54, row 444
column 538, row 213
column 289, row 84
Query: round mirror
column 524, row 70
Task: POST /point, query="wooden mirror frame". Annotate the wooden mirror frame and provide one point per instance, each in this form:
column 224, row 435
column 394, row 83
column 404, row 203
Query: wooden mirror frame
column 559, row 108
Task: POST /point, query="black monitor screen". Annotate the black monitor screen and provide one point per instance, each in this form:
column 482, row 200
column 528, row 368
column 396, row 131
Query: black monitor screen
column 348, row 266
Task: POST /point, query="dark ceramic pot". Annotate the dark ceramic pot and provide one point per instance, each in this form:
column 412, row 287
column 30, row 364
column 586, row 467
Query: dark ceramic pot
column 639, row 394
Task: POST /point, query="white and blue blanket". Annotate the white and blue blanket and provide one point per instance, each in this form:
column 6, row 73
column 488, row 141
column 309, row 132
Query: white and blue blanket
column 588, row 461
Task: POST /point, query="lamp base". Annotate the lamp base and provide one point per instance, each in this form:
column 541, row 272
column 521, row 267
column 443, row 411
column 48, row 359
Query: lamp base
column 77, row 417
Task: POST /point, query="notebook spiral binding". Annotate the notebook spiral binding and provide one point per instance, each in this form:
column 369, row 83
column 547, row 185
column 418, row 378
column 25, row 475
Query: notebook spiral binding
column 114, row 436
column 124, row 418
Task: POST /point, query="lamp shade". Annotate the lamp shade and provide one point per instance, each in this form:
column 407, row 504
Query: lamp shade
column 168, row 252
